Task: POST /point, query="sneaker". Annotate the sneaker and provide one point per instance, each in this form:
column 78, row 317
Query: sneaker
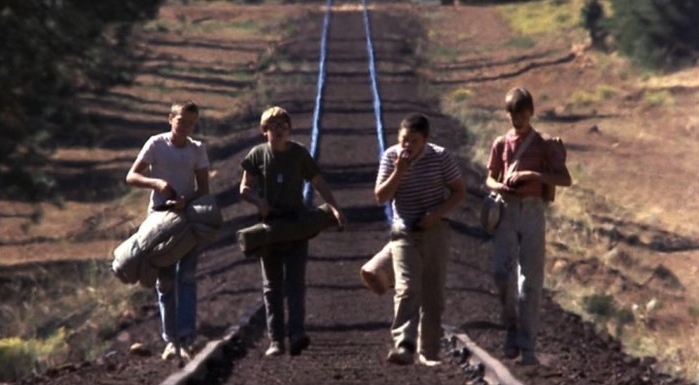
column 170, row 352
column 299, row 344
column 511, row 352
column 276, row 348
column 528, row 358
column 432, row 361
column 401, row 356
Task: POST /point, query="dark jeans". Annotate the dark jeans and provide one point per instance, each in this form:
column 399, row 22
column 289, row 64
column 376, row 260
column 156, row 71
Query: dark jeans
column 284, row 275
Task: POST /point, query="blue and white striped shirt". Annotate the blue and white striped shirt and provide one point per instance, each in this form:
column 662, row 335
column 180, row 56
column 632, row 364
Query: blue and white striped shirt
column 423, row 186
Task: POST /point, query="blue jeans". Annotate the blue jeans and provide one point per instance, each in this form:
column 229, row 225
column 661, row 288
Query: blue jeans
column 284, row 275
column 177, row 299
column 519, row 249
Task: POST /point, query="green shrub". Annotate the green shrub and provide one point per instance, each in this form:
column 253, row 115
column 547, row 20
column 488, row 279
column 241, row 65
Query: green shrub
column 19, row 357
column 600, row 305
column 656, row 34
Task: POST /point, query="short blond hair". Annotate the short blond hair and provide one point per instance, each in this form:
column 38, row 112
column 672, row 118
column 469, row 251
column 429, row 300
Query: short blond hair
column 274, row 114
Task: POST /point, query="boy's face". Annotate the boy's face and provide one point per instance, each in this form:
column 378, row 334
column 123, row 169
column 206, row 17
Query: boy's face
column 277, row 131
column 412, row 142
column 183, row 123
column 520, row 119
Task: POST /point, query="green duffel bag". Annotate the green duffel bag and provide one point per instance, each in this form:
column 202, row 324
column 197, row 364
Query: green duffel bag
column 253, row 240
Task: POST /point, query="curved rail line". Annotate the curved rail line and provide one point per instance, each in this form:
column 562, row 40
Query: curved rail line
column 477, row 364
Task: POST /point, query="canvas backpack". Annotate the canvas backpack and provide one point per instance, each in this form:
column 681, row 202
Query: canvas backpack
column 554, row 145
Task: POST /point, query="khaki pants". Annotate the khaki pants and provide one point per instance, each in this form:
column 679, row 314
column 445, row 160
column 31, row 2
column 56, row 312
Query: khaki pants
column 519, row 246
column 419, row 264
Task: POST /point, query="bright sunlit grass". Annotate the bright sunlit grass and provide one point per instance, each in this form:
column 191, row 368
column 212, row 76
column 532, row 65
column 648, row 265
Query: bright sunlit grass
column 541, row 17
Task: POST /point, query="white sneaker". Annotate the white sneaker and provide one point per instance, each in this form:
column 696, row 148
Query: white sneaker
column 275, row 348
column 170, row 352
column 428, row 362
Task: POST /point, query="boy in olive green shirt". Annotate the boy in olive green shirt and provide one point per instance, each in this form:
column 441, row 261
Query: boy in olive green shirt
column 273, row 180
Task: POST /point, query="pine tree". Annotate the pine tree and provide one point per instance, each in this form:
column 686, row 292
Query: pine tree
column 51, row 50
column 661, row 34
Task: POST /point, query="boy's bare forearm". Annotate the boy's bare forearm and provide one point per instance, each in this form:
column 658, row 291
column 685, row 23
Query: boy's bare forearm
column 324, row 191
column 387, row 189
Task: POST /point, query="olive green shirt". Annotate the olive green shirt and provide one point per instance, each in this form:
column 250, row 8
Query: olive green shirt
column 281, row 175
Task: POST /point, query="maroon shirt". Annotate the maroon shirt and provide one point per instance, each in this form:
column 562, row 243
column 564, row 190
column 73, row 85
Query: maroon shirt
column 535, row 158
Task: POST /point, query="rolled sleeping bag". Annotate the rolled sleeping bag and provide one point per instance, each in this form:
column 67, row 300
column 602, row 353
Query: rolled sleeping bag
column 164, row 238
column 205, row 217
column 158, row 228
column 253, row 239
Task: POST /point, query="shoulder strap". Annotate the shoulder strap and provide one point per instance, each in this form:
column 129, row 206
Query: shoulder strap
column 524, row 146
column 520, row 151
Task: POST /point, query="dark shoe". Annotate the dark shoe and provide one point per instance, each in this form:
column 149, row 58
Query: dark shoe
column 528, row 358
column 511, row 352
column 276, row 348
column 299, row 344
column 511, row 348
column 401, row 355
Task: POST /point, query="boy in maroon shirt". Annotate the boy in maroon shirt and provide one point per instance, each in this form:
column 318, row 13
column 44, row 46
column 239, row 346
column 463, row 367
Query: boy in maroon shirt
column 519, row 241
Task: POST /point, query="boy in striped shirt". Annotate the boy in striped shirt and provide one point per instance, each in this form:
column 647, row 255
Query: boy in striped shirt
column 423, row 183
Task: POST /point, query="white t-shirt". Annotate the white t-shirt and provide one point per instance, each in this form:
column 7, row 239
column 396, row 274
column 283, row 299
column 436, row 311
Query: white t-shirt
column 176, row 165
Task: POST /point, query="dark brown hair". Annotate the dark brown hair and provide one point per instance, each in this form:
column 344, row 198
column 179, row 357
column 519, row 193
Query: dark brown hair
column 416, row 123
column 519, row 99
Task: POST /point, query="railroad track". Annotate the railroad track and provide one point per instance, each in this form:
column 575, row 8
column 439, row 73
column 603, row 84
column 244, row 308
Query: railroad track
column 475, row 364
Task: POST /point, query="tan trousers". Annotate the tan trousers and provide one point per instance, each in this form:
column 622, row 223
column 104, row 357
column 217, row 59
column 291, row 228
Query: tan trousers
column 419, row 264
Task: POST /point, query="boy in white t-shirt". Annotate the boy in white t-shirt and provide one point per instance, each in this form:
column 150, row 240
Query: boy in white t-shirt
column 176, row 168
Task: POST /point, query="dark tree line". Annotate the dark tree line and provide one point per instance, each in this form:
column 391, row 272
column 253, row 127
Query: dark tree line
column 657, row 34
column 51, row 50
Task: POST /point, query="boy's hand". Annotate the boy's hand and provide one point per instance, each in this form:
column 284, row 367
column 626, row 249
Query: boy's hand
column 516, row 179
column 263, row 208
column 403, row 161
column 165, row 189
column 178, row 204
column 504, row 188
column 340, row 217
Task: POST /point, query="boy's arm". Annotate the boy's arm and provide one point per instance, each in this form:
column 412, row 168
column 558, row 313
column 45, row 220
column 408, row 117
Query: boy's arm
column 384, row 191
column 137, row 177
column 319, row 185
column 457, row 192
column 202, row 177
column 248, row 185
column 493, row 184
column 202, row 188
